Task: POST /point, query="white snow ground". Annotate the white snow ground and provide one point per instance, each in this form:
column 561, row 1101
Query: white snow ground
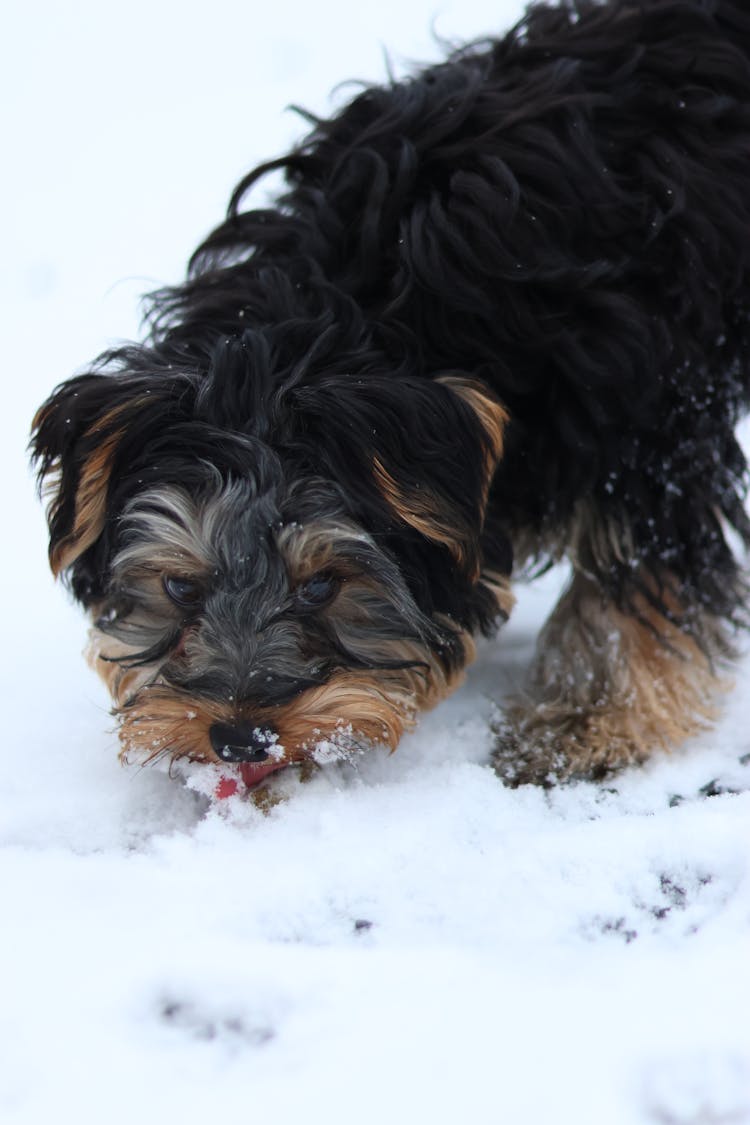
column 407, row 942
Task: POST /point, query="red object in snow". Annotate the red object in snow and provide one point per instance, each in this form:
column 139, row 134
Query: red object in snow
column 226, row 787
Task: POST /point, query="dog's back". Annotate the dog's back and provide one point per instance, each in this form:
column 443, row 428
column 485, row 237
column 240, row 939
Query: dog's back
column 564, row 212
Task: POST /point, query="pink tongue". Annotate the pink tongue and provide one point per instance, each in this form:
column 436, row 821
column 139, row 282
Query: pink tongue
column 254, row 772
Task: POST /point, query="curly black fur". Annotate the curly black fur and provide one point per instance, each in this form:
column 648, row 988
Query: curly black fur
column 562, row 215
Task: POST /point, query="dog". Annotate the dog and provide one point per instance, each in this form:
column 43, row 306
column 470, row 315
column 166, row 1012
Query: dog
column 498, row 316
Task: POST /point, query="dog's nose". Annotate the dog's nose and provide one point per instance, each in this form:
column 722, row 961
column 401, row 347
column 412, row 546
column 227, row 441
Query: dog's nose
column 241, row 742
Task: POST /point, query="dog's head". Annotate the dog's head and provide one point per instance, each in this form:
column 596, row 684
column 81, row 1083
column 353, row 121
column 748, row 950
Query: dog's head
column 277, row 552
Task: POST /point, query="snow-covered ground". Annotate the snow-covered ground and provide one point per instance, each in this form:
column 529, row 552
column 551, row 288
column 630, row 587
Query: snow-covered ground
column 403, row 942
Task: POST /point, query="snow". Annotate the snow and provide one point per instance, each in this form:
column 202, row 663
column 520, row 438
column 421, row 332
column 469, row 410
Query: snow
column 402, row 938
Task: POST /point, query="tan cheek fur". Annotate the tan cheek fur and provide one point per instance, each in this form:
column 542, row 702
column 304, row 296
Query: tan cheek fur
column 500, row 586
column 102, row 655
column 156, row 721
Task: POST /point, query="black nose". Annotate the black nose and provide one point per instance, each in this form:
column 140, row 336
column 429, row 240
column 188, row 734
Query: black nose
column 241, row 742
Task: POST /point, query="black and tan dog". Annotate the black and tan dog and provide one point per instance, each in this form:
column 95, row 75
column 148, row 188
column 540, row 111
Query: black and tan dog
column 501, row 315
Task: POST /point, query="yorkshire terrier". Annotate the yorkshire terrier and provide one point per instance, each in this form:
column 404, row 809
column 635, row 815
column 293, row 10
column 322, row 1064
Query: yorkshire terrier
column 497, row 317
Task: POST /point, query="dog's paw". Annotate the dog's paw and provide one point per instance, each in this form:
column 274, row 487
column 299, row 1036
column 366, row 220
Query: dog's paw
column 531, row 748
column 518, row 759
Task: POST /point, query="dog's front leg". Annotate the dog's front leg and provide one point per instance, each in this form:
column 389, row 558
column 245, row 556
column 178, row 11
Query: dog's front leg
column 607, row 687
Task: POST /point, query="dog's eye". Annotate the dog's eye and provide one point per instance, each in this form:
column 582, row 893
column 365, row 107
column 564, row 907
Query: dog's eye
column 182, row 591
column 317, row 591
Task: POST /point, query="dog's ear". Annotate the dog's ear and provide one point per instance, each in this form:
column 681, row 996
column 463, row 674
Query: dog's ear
column 76, row 437
column 444, row 496
column 427, row 450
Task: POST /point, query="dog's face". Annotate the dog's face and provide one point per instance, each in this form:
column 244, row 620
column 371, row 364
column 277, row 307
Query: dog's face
column 268, row 573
